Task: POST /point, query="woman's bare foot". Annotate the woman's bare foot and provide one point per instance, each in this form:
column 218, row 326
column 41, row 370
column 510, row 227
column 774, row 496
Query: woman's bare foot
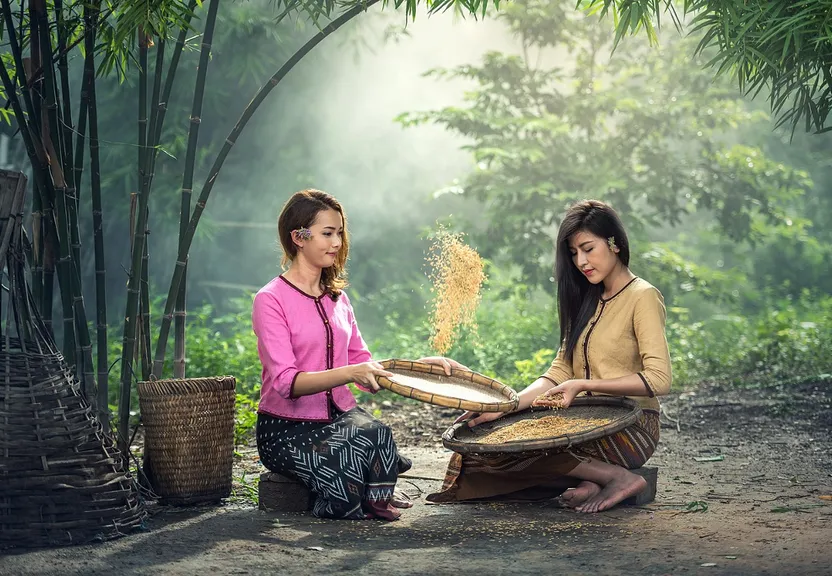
column 401, row 500
column 574, row 497
column 624, row 485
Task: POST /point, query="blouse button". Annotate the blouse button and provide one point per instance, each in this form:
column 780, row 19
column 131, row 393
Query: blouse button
column 326, row 321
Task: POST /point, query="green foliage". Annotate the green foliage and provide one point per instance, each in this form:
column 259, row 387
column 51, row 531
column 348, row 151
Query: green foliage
column 246, row 418
column 224, row 344
column 778, row 46
column 530, row 370
column 789, row 340
column 646, row 131
column 676, row 276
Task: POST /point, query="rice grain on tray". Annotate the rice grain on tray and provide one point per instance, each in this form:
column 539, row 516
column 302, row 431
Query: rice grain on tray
column 545, row 427
column 456, row 272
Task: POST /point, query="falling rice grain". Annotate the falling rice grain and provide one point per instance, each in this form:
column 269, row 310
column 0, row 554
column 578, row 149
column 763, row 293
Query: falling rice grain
column 456, row 272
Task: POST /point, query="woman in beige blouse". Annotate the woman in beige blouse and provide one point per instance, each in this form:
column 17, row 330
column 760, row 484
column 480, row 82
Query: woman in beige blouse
column 612, row 329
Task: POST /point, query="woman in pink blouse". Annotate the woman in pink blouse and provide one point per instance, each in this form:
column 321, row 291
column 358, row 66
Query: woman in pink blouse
column 308, row 425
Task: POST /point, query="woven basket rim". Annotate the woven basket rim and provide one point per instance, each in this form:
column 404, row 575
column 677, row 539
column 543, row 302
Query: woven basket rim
column 179, row 386
column 451, row 436
column 194, row 379
column 506, row 398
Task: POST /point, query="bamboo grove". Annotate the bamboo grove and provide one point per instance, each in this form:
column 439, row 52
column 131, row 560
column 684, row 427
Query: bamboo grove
column 142, row 41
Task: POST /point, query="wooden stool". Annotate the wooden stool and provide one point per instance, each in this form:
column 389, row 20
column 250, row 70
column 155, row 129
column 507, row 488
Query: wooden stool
column 278, row 493
column 651, row 474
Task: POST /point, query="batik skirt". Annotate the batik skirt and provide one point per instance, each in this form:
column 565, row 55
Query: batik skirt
column 544, row 475
column 350, row 464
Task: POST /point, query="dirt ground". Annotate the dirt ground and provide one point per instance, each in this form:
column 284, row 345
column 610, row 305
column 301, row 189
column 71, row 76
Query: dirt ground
column 760, row 509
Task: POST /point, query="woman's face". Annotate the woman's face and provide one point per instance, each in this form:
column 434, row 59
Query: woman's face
column 592, row 255
column 321, row 249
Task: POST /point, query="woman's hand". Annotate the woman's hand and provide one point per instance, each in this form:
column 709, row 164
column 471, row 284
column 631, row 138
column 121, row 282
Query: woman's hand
column 475, row 418
column 446, row 363
column 569, row 389
column 366, row 373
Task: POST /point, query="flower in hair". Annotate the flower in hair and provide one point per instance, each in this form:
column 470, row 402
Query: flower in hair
column 302, row 233
column 611, row 242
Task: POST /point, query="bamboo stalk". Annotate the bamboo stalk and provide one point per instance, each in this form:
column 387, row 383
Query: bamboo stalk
column 42, row 222
column 69, row 275
column 188, row 181
column 70, row 166
column 187, row 239
column 47, row 188
column 149, row 164
column 158, row 112
column 144, row 308
column 102, row 396
column 138, row 350
column 37, row 75
column 143, row 38
column 152, row 141
column 17, row 54
column 34, row 149
column 37, row 245
column 131, row 316
column 144, row 153
column 162, row 103
column 64, row 112
column 52, row 143
column 80, row 135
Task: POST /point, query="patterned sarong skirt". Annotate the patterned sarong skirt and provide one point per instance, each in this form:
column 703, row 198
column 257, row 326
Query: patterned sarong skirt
column 350, row 464
column 547, row 474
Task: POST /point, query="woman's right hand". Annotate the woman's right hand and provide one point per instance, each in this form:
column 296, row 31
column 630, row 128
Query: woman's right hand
column 475, row 418
column 365, row 374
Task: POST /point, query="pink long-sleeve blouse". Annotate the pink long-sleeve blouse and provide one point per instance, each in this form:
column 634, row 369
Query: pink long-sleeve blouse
column 297, row 332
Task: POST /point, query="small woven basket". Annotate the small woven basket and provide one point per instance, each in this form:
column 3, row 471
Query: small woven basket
column 189, row 438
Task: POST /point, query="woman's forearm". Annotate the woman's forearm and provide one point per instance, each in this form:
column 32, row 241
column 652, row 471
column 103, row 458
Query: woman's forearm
column 308, row 383
column 631, row 385
column 532, row 391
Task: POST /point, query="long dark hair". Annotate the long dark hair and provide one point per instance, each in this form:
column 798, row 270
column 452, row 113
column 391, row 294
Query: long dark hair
column 300, row 211
column 578, row 297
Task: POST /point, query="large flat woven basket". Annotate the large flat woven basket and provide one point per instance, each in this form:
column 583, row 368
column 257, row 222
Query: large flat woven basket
column 189, row 437
column 463, row 389
column 621, row 412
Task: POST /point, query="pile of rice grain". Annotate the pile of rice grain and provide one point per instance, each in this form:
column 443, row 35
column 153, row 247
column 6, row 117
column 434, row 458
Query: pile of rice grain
column 539, row 428
column 456, row 272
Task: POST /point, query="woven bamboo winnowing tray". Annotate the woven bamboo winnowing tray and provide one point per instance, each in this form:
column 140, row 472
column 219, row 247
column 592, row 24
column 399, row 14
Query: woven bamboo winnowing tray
column 463, row 389
column 622, row 411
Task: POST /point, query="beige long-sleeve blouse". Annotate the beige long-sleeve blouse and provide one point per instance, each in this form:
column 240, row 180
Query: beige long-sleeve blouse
column 625, row 336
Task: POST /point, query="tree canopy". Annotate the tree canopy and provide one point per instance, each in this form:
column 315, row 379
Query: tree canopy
column 782, row 48
column 647, row 130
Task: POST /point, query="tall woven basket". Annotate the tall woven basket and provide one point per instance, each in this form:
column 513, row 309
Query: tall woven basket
column 189, row 438
column 62, row 479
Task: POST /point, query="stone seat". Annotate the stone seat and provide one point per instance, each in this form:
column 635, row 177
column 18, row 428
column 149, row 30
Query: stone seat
column 277, row 493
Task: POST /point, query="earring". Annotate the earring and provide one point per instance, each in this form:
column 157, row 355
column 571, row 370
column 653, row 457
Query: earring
column 611, row 242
